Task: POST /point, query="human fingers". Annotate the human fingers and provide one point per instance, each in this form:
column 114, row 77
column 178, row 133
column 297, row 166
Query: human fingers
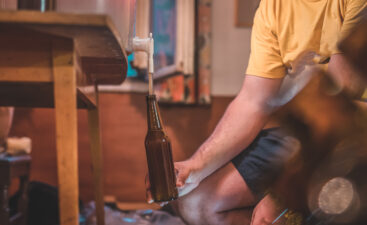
column 187, row 188
column 163, row 203
column 148, row 192
column 182, row 172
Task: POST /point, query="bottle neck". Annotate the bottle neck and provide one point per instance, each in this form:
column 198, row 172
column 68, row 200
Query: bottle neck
column 154, row 117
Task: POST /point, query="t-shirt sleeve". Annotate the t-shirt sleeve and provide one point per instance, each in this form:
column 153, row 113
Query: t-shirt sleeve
column 352, row 15
column 265, row 59
column 354, row 11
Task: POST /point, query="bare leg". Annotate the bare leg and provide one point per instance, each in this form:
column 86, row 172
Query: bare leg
column 266, row 212
column 223, row 198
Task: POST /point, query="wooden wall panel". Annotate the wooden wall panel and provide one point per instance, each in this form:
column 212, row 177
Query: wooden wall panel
column 123, row 127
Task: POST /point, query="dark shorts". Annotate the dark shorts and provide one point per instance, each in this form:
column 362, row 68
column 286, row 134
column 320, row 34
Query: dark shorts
column 261, row 163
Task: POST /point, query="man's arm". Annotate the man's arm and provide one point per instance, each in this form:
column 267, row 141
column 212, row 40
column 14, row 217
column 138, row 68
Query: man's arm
column 242, row 121
column 346, row 76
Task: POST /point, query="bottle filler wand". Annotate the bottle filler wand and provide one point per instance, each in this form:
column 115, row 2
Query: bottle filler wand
column 146, row 45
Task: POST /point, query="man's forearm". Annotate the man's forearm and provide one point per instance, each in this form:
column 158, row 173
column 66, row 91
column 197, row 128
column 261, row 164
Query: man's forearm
column 240, row 124
column 229, row 138
column 346, row 76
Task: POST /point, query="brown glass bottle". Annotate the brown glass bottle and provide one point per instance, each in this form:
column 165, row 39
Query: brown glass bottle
column 41, row 5
column 159, row 156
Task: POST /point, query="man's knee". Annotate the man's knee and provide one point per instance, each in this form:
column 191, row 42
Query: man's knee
column 196, row 209
column 267, row 212
column 223, row 191
column 190, row 208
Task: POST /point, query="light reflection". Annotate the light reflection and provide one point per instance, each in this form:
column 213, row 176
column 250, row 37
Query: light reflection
column 129, row 220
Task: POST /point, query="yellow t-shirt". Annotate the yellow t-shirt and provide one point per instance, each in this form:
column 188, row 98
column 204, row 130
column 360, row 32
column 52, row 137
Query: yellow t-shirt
column 284, row 29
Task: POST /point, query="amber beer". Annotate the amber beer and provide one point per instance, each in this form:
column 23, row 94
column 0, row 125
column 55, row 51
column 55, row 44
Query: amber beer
column 159, row 156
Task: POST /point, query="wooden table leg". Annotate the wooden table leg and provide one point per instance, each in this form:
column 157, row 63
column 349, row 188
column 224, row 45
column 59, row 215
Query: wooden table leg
column 66, row 130
column 4, row 205
column 97, row 162
column 23, row 199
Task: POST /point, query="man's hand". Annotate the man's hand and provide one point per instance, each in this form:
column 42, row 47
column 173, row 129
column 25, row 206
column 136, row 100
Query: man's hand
column 148, row 193
column 267, row 212
column 186, row 179
column 346, row 76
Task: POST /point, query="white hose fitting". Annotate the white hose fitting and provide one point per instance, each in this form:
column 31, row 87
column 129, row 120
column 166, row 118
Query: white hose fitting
column 145, row 45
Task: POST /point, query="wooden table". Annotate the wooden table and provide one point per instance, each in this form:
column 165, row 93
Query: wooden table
column 56, row 60
column 14, row 167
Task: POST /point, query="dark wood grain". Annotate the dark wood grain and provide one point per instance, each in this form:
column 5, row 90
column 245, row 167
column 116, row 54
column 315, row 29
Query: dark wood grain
column 38, row 95
column 99, row 53
column 14, row 167
column 25, row 55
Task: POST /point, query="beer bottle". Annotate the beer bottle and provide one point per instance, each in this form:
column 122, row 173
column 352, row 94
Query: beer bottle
column 159, row 156
column 41, row 5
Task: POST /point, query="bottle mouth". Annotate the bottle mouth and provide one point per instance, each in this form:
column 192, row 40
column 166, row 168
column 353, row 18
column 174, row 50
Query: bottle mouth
column 151, row 97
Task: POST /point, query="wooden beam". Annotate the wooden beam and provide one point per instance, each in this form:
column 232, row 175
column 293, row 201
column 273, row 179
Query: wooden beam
column 24, row 59
column 66, row 130
column 97, row 162
column 37, row 17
